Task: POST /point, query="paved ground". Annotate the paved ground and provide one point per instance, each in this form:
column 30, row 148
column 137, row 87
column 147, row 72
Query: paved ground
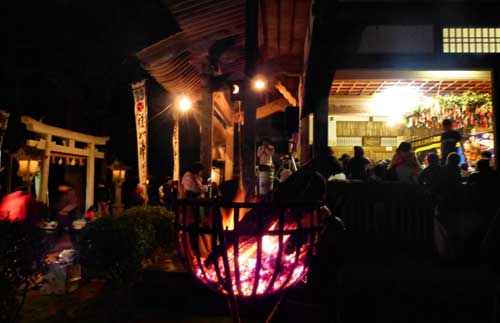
column 404, row 293
column 394, row 288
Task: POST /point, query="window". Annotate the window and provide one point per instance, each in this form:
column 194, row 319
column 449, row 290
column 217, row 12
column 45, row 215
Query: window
column 389, row 141
column 350, row 141
column 471, row 40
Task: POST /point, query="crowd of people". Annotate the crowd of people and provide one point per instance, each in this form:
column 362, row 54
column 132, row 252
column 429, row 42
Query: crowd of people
column 403, row 167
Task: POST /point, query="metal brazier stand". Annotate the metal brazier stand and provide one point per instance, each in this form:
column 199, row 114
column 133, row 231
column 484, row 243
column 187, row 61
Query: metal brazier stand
column 247, row 250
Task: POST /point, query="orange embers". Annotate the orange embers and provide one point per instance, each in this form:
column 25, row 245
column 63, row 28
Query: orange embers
column 265, row 251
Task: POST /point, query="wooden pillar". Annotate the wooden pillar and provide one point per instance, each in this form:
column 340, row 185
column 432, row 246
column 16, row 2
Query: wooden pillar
column 237, row 145
column 318, row 78
column 44, row 190
column 118, row 205
column 89, row 191
column 320, row 128
column 206, row 127
column 229, row 155
column 250, row 101
column 305, row 147
column 496, row 111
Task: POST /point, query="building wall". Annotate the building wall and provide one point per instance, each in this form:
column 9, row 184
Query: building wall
column 378, row 138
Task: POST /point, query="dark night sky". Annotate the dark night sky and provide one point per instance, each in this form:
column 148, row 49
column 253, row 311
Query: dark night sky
column 71, row 63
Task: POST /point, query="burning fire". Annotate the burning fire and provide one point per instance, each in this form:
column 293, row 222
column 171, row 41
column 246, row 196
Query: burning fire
column 262, row 263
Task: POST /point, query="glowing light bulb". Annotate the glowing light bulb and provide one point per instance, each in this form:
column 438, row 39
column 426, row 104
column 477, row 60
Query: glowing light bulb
column 185, row 104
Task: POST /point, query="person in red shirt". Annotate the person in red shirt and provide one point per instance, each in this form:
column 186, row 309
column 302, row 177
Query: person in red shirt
column 16, row 206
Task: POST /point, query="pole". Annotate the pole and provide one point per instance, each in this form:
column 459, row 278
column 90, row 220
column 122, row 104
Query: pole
column 89, row 189
column 44, row 190
column 237, row 147
column 250, row 100
column 496, row 111
column 206, row 127
column 118, row 205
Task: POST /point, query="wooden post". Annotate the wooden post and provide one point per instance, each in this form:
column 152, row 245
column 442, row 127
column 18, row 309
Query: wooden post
column 89, row 184
column 305, row 147
column 496, row 111
column 229, row 155
column 250, row 100
column 206, row 127
column 320, row 128
column 118, row 205
column 44, row 190
column 317, row 83
column 237, row 145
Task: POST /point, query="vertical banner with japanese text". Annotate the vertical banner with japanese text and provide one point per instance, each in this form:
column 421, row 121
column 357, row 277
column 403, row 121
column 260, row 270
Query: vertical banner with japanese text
column 141, row 126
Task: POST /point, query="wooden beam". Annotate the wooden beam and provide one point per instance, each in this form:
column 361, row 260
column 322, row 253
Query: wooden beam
column 285, row 64
column 386, row 74
column 286, row 94
column 223, row 107
column 42, row 145
column 44, row 129
column 272, row 107
column 163, row 50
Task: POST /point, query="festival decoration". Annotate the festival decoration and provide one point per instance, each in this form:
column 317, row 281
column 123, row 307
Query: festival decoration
column 467, row 110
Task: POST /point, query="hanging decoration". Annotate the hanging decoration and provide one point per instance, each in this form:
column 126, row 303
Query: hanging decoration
column 61, row 159
column 468, row 110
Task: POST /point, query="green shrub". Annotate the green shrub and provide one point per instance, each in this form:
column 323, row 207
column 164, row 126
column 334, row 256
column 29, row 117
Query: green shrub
column 162, row 221
column 115, row 247
column 22, row 253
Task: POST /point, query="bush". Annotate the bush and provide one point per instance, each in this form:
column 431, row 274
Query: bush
column 162, row 221
column 115, row 247
column 22, row 253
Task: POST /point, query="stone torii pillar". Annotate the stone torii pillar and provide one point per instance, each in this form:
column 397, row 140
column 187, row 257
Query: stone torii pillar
column 69, row 138
column 89, row 187
column 44, row 192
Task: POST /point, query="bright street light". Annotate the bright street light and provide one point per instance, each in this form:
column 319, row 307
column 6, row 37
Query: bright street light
column 184, row 104
column 259, row 83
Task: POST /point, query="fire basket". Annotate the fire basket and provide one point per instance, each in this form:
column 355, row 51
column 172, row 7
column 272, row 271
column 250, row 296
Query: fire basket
column 247, row 250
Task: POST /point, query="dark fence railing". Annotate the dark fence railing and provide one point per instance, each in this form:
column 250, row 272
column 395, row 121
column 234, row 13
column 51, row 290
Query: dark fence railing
column 384, row 210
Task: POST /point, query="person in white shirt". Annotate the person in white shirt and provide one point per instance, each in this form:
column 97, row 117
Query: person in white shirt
column 192, row 182
column 265, row 154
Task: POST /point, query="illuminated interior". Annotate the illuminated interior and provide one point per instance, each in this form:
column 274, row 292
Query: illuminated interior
column 377, row 109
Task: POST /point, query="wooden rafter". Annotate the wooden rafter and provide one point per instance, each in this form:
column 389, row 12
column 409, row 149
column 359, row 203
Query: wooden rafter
column 286, row 93
column 370, row 87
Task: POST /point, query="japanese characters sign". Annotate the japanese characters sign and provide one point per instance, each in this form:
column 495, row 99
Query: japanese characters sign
column 141, row 125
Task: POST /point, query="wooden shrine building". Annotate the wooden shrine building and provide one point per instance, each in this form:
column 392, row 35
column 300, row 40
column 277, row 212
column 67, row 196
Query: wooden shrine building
column 334, row 59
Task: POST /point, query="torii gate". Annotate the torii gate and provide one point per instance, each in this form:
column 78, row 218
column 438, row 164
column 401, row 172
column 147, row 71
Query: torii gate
column 69, row 138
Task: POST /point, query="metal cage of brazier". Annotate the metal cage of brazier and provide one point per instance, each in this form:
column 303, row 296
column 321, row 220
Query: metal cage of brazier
column 247, row 249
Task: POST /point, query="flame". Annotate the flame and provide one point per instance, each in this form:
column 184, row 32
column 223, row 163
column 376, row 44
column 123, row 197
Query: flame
column 279, row 267
column 228, row 214
column 291, row 267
